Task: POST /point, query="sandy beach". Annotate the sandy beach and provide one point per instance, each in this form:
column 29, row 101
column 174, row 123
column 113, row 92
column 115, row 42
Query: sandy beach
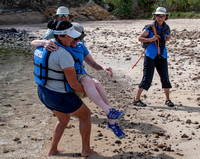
column 153, row 132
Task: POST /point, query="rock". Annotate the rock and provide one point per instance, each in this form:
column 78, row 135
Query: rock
column 16, row 139
column 91, row 12
column 159, row 133
column 195, row 122
column 177, row 119
column 197, row 127
column 188, row 121
column 87, row 12
column 184, row 136
column 161, row 145
column 118, row 142
column 180, row 154
column 6, row 151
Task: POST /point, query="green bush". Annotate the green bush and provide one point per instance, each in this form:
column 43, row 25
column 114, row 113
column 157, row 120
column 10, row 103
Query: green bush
column 184, row 15
column 122, row 8
column 177, row 8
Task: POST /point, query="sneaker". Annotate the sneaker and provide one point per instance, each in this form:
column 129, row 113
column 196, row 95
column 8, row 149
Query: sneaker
column 139, row 103
column 114, row 114
column 169, row 103
column 117, row 130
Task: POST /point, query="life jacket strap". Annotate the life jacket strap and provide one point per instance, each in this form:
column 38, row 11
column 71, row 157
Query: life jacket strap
column 42, row 77
column 47, row 68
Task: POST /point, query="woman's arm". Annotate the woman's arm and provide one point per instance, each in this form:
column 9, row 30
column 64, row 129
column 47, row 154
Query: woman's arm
column 143, row 37
column 90, row 61
column 70, row 75
column 48, row 44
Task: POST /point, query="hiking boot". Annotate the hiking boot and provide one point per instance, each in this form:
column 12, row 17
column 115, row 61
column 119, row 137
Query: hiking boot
column 169, row 103
column 114, row 114
column 139, row 103
column 117, row 130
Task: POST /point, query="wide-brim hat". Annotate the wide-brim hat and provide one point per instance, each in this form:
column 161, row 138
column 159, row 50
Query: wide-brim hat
column 160, row 10
column 62, row 10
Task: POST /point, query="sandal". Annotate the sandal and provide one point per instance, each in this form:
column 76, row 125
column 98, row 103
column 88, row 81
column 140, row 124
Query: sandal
column 117, row 130
column 139, row 103
column 114, row 114
column 169, row 103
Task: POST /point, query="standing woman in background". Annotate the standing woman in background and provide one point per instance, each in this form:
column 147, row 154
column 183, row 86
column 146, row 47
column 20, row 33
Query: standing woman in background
column 62, row 14
column 155, row 56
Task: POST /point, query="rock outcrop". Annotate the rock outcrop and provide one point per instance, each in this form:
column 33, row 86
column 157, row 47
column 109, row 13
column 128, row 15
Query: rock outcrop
column 88, row 12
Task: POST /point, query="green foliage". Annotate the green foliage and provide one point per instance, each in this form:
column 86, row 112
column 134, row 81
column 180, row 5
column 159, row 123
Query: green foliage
column 184, row 15
column 122, row 8
column 146, row 5
column 179, row 5
column 178, row 8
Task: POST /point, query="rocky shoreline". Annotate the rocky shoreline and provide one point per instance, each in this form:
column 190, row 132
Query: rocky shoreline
column 88, row 12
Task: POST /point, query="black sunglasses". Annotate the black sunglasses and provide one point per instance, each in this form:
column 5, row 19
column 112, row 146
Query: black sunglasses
column 76, row 39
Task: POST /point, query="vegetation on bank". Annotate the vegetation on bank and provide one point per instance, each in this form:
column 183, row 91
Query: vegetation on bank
column 128, row 9
column 17, row 51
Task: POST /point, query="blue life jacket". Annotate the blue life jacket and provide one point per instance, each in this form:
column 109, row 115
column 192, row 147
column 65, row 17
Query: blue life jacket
column 78, row 65
column 41, row 57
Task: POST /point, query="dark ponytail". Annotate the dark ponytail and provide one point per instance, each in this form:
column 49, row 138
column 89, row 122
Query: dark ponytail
column 52, row 24
column 62, row 25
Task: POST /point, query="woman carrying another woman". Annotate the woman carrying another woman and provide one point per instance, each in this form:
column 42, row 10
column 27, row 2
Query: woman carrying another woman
column 55, row 97
column 92, row 86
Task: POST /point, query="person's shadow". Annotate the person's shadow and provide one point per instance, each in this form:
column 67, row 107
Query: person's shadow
column 185, row 108
column 127, row 155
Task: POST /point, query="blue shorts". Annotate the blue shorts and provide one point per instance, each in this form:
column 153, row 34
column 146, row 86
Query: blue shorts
column 62, row 102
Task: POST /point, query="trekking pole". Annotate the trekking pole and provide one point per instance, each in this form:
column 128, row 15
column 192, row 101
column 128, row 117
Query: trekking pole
column 139, row 59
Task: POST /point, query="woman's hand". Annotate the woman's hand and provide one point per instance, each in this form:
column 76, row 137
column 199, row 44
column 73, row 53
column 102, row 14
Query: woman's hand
column 108, row 71
column 155, row 37
column 50, row 45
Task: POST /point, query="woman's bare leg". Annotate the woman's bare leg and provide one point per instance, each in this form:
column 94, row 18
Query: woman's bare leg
column 63, row 120
column 84, row 115
column 166, row 90
column 138, row 94
column 93, row 94
column 101, row 91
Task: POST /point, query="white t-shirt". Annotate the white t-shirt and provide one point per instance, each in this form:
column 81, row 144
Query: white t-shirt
column 58, row 60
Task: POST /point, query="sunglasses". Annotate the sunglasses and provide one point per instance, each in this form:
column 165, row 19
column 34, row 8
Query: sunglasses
column 63, row 15
column 76, row 39
column 160, row 16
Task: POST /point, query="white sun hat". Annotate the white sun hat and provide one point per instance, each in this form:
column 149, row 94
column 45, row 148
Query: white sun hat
column 160, row 10
column 62, row 10
column 70, row 32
